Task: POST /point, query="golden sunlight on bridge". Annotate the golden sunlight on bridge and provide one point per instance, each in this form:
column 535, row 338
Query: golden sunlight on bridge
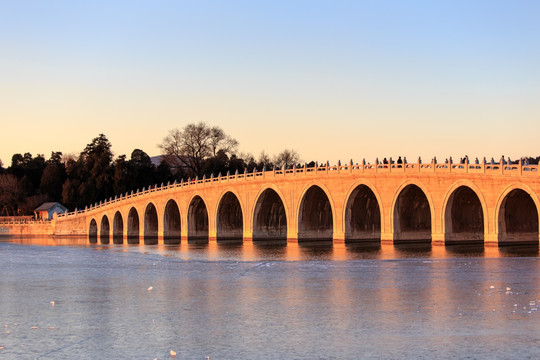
column 391, row 203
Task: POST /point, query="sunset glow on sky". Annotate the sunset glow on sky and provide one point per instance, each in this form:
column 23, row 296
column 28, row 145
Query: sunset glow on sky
column 331, row 79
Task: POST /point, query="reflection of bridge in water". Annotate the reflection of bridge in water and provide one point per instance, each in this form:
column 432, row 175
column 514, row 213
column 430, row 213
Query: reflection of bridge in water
column 490, row 203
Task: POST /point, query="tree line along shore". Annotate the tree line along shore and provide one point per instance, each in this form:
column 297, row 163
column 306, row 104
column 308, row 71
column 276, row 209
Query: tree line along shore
column 77, row 180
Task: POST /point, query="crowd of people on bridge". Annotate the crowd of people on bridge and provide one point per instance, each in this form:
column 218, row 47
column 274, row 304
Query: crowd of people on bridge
column 464, row 160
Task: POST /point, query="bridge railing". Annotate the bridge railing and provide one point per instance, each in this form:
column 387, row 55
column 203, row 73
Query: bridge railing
column 500, row 168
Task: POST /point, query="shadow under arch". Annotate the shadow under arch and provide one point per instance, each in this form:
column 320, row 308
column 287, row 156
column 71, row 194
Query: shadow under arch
column 118, row 228
column 105, row 229
column 412, row 214
column 315, row 216
column 197, row 220
column 171, row 223
column 464, row 218
column 362, row 215
column 150, row 225
column 92, row 232
column 269, row 217
column 229, row 219
column 133, row 228
column 517, row 216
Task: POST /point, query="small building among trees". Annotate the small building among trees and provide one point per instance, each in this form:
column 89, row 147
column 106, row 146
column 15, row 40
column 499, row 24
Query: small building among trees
column 47, row 210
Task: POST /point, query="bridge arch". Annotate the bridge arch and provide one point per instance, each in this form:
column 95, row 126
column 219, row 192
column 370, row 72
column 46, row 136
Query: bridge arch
column 118, row 228
column 133, row 226
column 104, row 233
column 270, row 215
column 151, row 224
column 316, row 213
column 197, row 219
column 363, row 215
column 229, row 217
column 92, row 231
column 464, row 215
column 517, row 215
column 171, row 223
column 412, row 213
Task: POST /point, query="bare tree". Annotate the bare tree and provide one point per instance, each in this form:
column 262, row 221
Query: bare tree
column 221, row 141
column 287, row 158
column 265, row 161
column 192, row 146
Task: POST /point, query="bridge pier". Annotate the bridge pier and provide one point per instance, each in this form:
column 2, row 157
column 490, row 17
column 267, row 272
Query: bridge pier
column 491, row 239
column 387, row 238
column 438, row 239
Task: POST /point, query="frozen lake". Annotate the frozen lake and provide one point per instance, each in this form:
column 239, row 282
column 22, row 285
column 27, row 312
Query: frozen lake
column 81, row 301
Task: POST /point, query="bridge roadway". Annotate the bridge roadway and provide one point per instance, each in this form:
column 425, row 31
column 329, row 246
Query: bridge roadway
column 442, row 203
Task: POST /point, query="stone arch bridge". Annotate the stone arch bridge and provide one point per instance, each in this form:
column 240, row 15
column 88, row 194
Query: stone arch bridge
column 439, row 203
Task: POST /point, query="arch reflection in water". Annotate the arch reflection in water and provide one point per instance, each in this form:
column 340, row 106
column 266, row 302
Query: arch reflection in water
column 133, row 227
column 464, row 217
column 412, row 216
column 362, row 216
column 104, row 230
column 171, row 223
column 269, row 218
column 315, row 219
column 518, row 218
column 92, row 231
column 229, row 219
column 197, row 221
column 150, row 225
column 118, row 228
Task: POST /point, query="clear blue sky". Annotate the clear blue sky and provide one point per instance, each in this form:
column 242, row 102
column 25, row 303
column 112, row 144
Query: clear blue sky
column 331, row 79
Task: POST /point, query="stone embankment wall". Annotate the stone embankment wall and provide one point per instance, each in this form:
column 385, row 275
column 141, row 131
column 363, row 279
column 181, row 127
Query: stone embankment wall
column 27, row 229
column 74, row 227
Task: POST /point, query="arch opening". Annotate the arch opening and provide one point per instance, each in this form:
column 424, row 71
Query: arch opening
column 118, row 228
column 104, row 230
column 197, row 221
column 362, row 216
column 150, row 225
column 92, row 232
column 230, row 225
column 269, row 218
column 133, row 232
column 171, row 223
column 315, row 218
column 464, row 217
column 412, row 216
column 518, row 218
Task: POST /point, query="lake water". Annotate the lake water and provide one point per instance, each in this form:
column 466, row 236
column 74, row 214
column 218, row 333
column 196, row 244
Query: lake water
column 81, row 301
